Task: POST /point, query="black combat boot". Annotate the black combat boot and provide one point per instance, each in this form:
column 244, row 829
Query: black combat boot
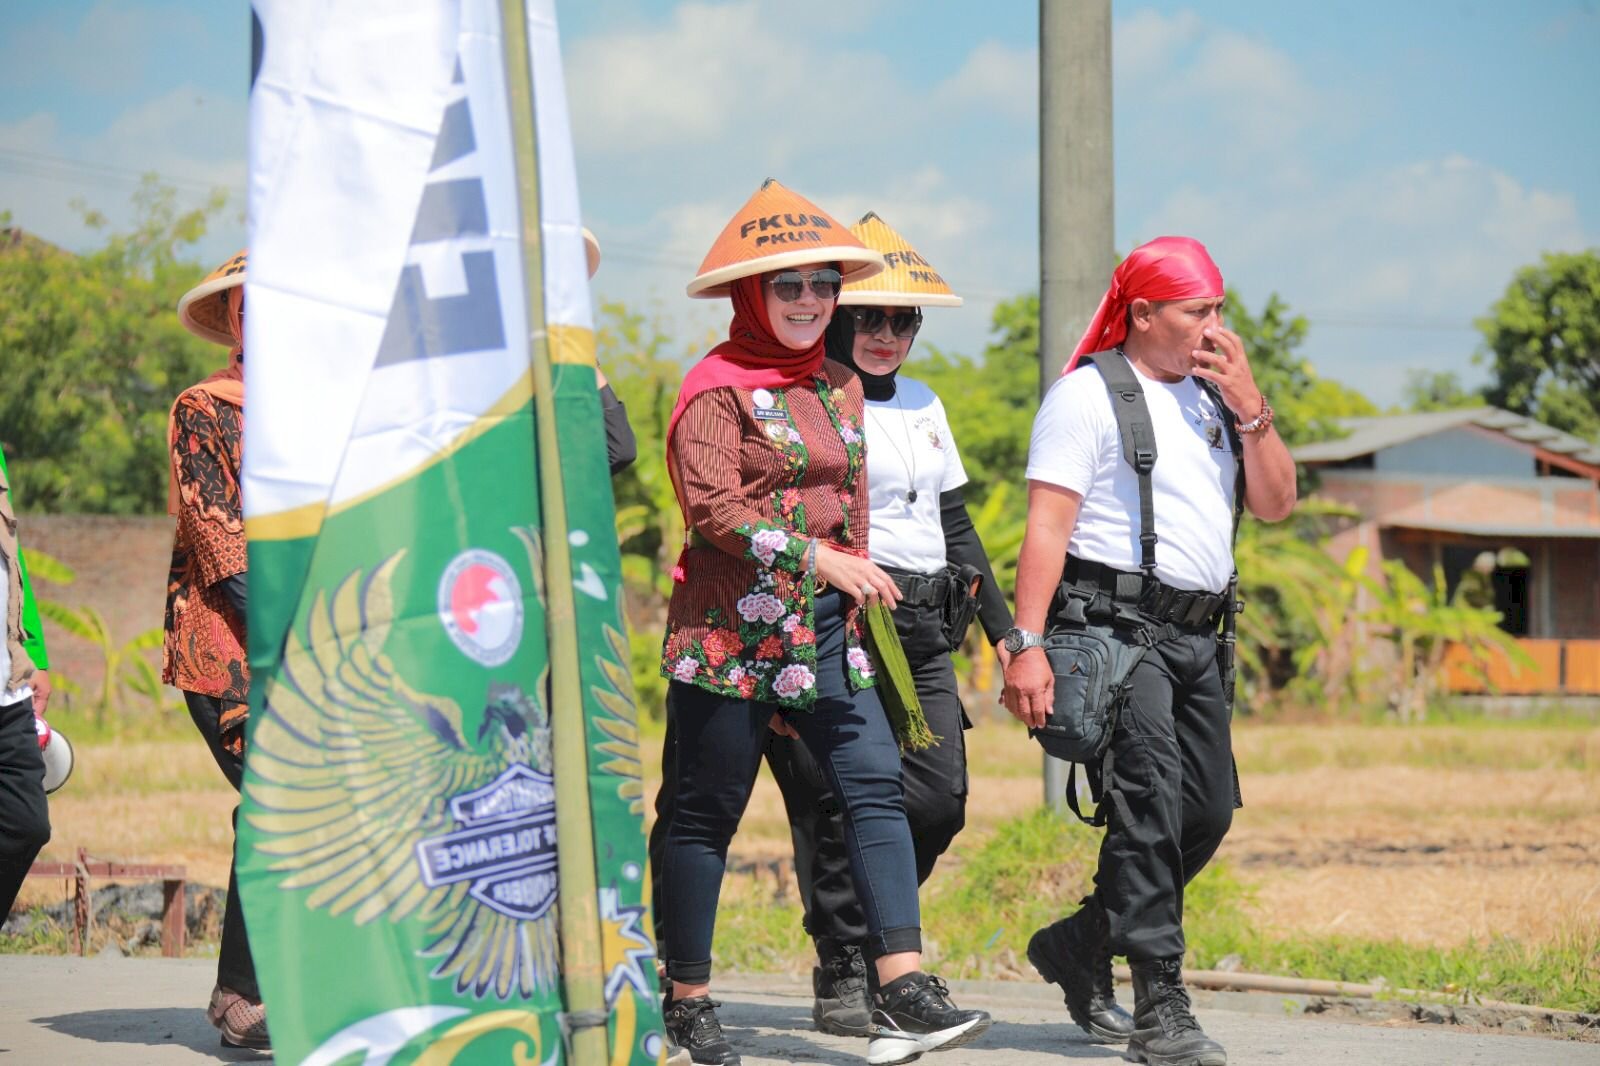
column 1075, row 953
column 842, row 1006
column 1165, row 1032
column 913, row 1014
column 693, row 1026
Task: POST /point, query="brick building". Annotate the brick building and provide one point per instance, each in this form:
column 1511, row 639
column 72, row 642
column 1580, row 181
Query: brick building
column 121, row 563
column 1443, row 488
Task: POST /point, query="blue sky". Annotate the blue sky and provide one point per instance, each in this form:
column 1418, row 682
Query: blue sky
column 1384, row 167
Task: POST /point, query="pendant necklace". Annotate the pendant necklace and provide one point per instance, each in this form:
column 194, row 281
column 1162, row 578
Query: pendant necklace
column 911, row 463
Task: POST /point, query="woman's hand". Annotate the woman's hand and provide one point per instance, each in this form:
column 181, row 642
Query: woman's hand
column 855, row 576
column 781, row 726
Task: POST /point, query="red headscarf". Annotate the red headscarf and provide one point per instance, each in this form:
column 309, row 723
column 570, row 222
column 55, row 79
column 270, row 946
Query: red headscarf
column 751, row 357
column 1167, row 268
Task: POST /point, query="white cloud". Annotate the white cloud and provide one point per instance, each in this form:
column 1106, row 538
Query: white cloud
column 1222, row 136
column 185, row 135
column 107, row 50
column 727, row 74
column 1144, row 43
column 997, row 77
column 678, row 122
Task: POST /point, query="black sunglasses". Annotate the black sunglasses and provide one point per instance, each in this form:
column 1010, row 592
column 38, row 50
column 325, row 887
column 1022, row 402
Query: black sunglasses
column 788, row 285
column 902, row 324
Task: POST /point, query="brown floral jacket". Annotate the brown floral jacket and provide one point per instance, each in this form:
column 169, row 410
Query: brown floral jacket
column 762, row 472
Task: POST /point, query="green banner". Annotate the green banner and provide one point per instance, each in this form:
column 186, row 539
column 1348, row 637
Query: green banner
column 440, row 846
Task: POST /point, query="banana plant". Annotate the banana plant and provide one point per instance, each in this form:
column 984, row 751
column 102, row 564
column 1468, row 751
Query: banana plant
column 128, row 676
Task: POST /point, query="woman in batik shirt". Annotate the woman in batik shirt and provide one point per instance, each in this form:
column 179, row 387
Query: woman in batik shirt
column 204, row 652
column 766, row 451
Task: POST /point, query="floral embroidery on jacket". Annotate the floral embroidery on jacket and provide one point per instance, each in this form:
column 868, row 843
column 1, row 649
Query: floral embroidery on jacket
column 765, row 649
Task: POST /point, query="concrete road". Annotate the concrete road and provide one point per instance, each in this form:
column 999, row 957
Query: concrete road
column 132, row 1012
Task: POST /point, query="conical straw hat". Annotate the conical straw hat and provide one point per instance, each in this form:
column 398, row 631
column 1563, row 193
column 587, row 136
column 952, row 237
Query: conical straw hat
column 208, row 318
column 591, row 250
column 779, row 228
column 907, row 281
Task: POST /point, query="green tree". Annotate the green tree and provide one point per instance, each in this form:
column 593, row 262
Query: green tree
column 1542, row 343
column 1437, row 391
column 1308, row 407
column 94, row 356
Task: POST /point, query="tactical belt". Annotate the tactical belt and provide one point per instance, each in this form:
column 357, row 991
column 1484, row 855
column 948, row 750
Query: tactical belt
column 920, row 590
column 1153, row 599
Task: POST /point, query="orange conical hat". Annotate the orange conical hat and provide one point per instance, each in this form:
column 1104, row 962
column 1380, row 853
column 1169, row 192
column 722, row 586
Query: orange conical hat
column 779, row 228
column 907, row 281
column 208, row 319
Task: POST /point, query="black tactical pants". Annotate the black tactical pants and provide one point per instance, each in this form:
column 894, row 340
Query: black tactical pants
column 236, row 969
column 1172, row 794
column 24, row 814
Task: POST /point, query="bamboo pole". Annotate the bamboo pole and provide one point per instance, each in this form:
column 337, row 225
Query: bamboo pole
column 582, row 974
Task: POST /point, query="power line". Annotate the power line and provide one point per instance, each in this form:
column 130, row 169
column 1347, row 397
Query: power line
column 40, row 165
column 1360, row 322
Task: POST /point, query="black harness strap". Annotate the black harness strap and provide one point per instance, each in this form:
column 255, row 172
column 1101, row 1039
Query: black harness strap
column 1138, row 435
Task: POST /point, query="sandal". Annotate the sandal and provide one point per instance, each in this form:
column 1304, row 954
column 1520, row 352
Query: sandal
column 243, row 1021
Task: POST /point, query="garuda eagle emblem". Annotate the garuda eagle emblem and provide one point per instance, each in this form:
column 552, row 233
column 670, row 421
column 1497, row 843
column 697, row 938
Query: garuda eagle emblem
column 369, row 794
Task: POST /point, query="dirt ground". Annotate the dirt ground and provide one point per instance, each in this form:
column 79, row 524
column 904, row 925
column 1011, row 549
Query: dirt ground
column 1454, row 832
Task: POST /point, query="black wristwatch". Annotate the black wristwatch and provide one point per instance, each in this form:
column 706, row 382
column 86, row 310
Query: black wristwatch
column 1017, row 640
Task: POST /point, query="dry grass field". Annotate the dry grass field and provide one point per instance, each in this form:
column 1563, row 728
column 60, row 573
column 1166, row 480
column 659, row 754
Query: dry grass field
column 1432, row 835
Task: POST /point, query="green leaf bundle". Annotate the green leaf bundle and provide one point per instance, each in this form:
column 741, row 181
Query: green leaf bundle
column 896, row 687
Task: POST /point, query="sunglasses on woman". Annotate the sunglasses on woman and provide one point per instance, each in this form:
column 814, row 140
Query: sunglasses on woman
column 788, row 285
column 902, row 324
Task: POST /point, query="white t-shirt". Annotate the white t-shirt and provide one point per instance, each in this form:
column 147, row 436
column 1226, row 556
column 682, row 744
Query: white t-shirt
column 908, row 434
column 8, row 696
column 1076, row 445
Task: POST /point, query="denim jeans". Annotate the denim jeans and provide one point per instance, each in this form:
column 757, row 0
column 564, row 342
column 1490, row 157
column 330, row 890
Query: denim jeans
column 934, row 781
column 719, row 747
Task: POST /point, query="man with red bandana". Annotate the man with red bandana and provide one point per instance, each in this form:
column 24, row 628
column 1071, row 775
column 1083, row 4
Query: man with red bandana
column 1171, row 789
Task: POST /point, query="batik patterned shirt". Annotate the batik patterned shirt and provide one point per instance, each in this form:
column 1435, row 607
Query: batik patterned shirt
column 762, row 472
column 204, row 650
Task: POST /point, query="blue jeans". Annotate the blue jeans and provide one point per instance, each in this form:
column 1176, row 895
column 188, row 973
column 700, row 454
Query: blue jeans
column 719, row 748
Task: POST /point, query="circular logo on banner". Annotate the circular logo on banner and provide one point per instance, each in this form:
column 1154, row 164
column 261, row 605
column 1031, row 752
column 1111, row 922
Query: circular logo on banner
column 480, row 604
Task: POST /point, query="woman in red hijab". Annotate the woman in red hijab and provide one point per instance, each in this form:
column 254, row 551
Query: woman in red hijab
column 767, row 453
column 204, row 653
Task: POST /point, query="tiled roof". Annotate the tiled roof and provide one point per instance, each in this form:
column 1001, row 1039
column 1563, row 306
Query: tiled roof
column 1368, row 435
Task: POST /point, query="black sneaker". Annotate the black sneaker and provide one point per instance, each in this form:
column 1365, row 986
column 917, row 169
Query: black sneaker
column 1075, row 953
column 677, row 1056
column 914, row 1015
column 692, row 1024
column 842, row 1006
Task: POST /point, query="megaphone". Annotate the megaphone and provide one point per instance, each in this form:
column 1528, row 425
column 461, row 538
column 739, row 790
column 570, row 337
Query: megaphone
column 57, row 755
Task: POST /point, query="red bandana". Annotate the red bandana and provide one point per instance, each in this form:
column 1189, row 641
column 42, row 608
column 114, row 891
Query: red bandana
column 1167, row 268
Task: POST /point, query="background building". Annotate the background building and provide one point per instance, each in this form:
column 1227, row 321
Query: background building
column 1444, row 488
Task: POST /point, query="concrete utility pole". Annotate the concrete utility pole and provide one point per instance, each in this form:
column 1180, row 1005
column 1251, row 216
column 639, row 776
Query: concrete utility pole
column 1077, row 248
